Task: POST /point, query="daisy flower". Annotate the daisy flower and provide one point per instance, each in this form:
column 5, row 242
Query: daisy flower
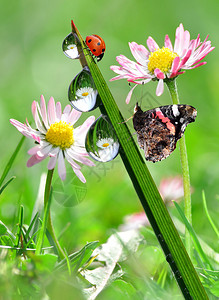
column 71, row 51
column 56, row 137
column 108, row 149
column 69, row 46
column 171, row 188
column 85, row 99
column 161, row 63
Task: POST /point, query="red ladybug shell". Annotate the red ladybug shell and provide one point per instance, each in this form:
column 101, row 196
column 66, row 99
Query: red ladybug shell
column 96, row 45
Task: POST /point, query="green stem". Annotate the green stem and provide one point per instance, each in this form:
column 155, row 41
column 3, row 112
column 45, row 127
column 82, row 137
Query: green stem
column 185, row 169
column 47, row 221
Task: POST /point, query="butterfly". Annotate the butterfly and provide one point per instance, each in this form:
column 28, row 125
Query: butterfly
column 159, row 129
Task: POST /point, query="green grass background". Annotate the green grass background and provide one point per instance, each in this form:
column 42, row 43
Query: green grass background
column 32, row 63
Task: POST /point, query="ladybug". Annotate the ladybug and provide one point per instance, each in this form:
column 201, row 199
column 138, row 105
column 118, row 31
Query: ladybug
column 96, row 45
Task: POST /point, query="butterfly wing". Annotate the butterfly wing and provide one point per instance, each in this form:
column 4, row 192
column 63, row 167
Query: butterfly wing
column 159, row 129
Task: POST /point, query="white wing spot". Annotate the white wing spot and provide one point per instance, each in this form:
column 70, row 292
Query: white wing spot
column 175, row 110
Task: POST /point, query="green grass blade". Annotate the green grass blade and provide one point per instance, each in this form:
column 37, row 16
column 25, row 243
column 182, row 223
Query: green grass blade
column 11, row 160
column 194, row 237
column 20, row 225
column 208, row 215
column 31, row 226
column 145, row 187
column 6, row 184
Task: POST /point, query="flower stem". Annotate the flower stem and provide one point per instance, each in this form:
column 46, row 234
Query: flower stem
column 47, row 221
column 171, row 84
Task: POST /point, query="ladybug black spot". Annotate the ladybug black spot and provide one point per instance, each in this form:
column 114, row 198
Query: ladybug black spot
column 103, row 50
column 98, row 44
column 89, row 40
column 94, row 50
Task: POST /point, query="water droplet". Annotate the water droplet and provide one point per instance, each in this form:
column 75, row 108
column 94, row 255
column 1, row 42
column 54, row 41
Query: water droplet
column 69, row 46
column 101, row 141
column 82, row 92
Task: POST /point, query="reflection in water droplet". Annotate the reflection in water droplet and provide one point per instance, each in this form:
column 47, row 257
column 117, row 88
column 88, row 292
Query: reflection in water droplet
column 69, row 46
column 82, row 92
column 101, row 141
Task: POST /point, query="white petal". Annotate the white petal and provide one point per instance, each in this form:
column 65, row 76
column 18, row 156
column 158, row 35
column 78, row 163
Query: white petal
column 52, row 162
column 79, row 175
column 51, row 111
column 160, row 87
column 61, row 166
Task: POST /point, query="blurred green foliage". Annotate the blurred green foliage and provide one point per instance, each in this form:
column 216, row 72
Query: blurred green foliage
column 32, row 63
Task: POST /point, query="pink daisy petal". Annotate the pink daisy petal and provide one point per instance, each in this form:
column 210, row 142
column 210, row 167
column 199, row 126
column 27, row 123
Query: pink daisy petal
column 43, row 111
column 140, row 81
column 159, row 74
column 51, row 111
column 178, row 38
column 54, row 152
column 80, row 158
column 36, row 138
column 82, row 130
column 66, row 113
column 139, row 52
column 118, row 70
column 35, row 159
column 39, row 125
column 168, row 43
column 128, row 98
column 73, row 117
column 34, row 150
column 58, row 111
column 175, row 66
column 185, row 59
column 79, row 175
column 119, row 77
column 52, row 163
column 198, row 65
column 179, row 73
column 152, row 45
column 160, row 87
column 71, row 161
column 45, row 150
column 61, row 166
column 20, row 126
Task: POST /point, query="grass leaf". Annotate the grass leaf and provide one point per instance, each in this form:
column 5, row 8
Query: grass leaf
column 194, row 237
column 208, row 215
column 9, row 164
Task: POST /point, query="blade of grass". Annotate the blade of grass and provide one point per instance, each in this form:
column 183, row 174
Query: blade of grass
column 145, row 187
column 8, row 231
column 194, row 237
column 208, row 215
column 6, row 184
column 20, row 225
column 31, row 226
column 11, row 160
column 44, row 223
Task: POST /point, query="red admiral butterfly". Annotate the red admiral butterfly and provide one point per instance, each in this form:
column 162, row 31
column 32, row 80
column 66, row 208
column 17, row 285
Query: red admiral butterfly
column 160, row 128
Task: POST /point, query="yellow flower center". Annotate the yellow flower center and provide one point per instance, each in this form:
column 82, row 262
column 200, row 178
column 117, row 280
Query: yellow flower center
column 60, row 134
column 85, row 94
column 105, row 145
column 161, row 59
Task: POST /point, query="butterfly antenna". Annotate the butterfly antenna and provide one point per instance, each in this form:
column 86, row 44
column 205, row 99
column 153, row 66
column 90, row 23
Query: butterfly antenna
column 126, row 120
